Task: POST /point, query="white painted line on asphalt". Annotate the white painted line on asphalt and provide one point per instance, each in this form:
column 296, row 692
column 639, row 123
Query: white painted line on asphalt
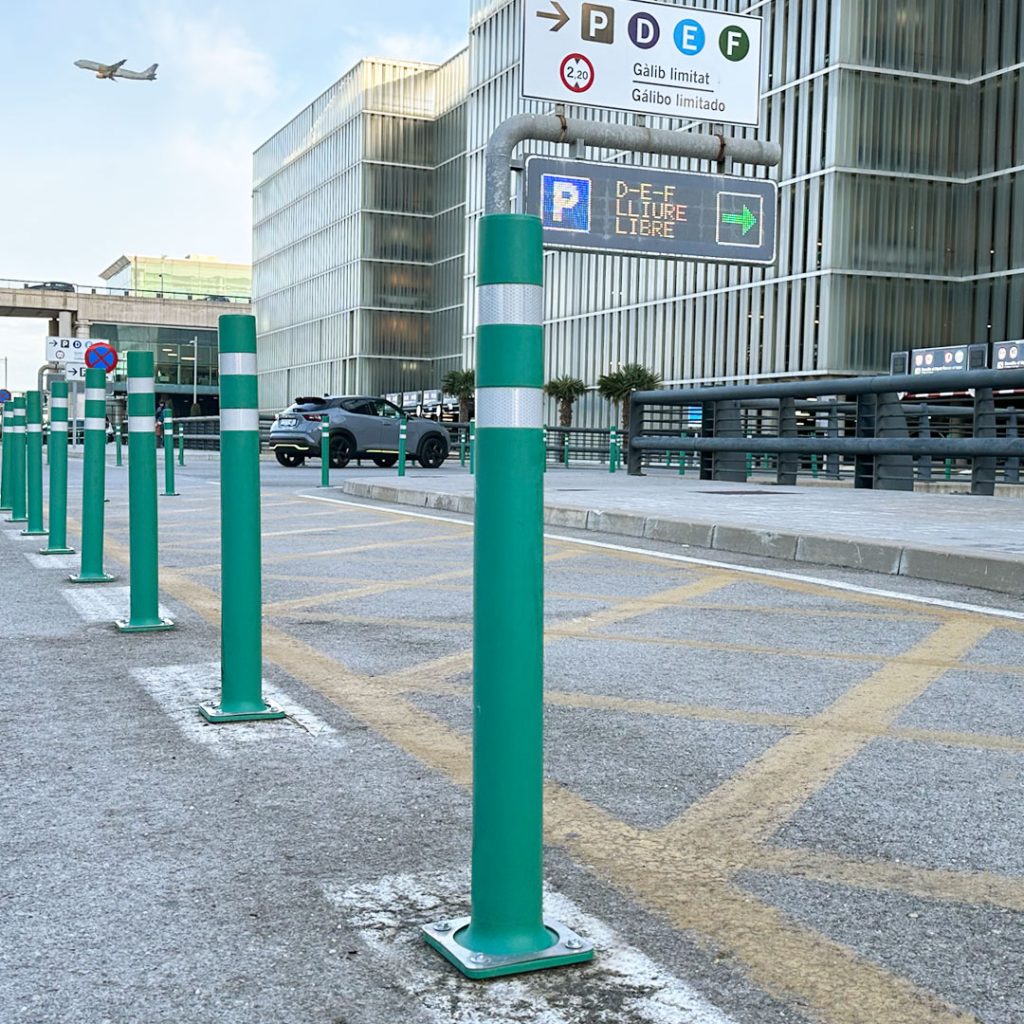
column 180, row 689
column 775, row 574
column 104, row 604
column 52, row 561
column 386, row 913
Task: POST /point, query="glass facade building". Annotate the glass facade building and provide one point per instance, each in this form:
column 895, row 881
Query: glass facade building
column 901, row 200
column 192, row 276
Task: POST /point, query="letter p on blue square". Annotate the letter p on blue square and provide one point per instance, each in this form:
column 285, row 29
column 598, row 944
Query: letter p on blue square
column 565, row 203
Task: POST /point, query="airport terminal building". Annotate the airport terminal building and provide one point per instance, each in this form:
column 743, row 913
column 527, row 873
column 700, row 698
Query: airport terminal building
column 900, row 219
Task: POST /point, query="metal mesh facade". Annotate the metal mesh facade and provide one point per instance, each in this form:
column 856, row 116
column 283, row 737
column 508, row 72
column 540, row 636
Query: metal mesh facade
column 901, row 209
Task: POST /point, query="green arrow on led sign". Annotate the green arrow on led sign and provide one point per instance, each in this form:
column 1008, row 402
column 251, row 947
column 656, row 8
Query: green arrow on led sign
column 745, row 219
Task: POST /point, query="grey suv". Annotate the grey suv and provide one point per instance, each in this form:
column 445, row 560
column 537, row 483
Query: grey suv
column 361, row 427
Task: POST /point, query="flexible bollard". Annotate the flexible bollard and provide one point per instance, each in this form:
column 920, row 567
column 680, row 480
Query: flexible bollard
column 506, row 932
column 241, row 630
column 403, row 429
column 181, row 444
column 19, row 503
column 814, row 465
column 544, row 446
column 325, row 452
column 613, row 451
column 462, row 446
column 144, row 572
column 94, row 471
column 58, row 448
column 472, row 447
column 8, row 458
column 565, row 450
column 169, row 491
column 117, row 445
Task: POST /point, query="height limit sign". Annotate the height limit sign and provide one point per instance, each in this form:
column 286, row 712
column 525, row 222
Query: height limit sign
column 647, row 58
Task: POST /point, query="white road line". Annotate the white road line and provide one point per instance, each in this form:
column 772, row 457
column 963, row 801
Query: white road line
column 103, row 604
column 180, row 689
column 775, row 574
column 385, row 913
column 52, row 561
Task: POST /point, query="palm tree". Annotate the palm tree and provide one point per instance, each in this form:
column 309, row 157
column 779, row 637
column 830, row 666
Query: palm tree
column 461, row 384
column 618, row 385
column 565, row 390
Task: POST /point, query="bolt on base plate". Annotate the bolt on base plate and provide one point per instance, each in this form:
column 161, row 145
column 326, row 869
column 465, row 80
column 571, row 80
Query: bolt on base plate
column 569, row 948
column 56, row 551
column 92, row 579
column 125, row 626
column 212, row 713
column 35, row 533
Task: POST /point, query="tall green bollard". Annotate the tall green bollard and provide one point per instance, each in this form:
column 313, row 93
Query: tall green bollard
column 19, row 504
column 613, row 450
column 325, row 452
column 565, row 450
column 462, row 446
column 144, row 616
column 94, row 471
column 169, row 491
column 58, row 448
column 403, row 431
column 8, row 457
column 181, row 444
column 241, row 631
column 472, row 447
column 117, row 443
column 506, row 932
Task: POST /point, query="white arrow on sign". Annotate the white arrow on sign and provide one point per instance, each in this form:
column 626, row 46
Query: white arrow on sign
column 560, row 19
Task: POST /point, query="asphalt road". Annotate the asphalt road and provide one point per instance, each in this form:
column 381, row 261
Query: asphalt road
column 767, row 799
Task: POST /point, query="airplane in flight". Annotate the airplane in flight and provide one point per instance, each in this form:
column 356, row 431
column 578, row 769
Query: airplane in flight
column 114, row 71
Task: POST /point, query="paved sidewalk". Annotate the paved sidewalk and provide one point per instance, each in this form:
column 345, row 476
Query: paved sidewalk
column 950, row 538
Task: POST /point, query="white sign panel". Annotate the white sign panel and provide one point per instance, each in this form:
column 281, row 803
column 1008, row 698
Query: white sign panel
column 647, row 58
column 67, row 351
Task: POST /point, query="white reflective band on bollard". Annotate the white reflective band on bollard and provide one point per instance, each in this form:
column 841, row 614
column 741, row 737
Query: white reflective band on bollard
column 238, row 363
column 509, row 407
column 136, row 386
column 136, row 425
column 35, row 428
column 95, row 423
column 60, row 425
column 520, row 304
column 58, row 403
column 97, row 394
column 239, row 419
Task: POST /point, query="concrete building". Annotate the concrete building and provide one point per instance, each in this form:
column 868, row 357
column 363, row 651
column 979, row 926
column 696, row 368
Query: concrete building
column 191, row 277
column 900, row 192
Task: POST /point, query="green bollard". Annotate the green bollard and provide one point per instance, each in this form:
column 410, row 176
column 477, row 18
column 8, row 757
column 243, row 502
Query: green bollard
column 682, row 463
column 8, row 456
column 462, row 446
column 506, row 932
column 613, row 450
column 949, row 469
column 144, row 616
column 241, row 629
column 34, row 463
column 748, row 468
column 325, row 452
column 58, row 446
column 94, row 471
column 403, row 431
column 472, row 447
column 19, row 503
column 565, row 450
column 544, row 446
column 117, row 444
column 814, row 465
column 181, row 444
column 169, row 491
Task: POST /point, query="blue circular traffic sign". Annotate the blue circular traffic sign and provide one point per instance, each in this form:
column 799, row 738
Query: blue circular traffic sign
column 5, row 395
column 101, row 354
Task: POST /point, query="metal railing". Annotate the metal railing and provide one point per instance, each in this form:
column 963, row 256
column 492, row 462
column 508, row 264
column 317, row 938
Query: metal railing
column 861, row 425
column 67, row 287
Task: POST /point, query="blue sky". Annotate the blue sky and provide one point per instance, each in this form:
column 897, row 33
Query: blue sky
column 91, row 169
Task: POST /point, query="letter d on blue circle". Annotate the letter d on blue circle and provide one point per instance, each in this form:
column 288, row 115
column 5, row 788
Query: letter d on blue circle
column 689, row 37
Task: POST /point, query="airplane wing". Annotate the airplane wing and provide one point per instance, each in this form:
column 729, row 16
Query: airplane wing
column 114, row 68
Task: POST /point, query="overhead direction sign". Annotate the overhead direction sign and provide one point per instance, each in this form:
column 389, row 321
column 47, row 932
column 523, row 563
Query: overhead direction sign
column 644, row 57
column 101, row 354
column 601, row 207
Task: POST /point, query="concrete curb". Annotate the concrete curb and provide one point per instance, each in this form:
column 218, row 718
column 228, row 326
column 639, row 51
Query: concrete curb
column 985, row 571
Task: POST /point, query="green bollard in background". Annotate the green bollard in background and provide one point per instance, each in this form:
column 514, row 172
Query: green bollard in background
column 241, row 629
column 117, row 444
column 58, row 448
column 144, row 616
column 169, row 491
column 748, row 467
column 181, row 444
column 462, row 446
column 403, row 430
column 814, row 465
column 613, row 450
column 565, row 450
column 472, row 447
column 19, row 503
column 506, row 932
column 94, row 470
column 8, row 458
column 325, row 452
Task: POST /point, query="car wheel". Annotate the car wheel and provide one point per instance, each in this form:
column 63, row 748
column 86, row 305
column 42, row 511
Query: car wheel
column 289, row 459
column 433, row 451
column 385, row 461
column 342, row 450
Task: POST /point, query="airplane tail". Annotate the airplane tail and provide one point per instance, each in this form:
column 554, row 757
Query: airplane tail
column 150, row 72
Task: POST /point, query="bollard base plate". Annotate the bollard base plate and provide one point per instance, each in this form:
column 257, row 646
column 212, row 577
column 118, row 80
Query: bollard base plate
column 569, row 948
column 213, row 713
column 103, row 578
column 21, row 519
column 35, row 533
column 127, row 626
column 170, row 494
column 56, row 551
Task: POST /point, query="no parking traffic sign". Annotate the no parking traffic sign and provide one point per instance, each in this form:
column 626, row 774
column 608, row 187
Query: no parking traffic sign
column 101, row 354
column 5, row 395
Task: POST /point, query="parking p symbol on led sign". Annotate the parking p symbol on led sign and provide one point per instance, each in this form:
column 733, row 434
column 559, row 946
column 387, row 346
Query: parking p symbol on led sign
column 565, row 203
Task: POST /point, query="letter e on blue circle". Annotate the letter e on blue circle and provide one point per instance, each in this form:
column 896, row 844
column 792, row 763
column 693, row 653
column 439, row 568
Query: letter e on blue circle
column 689, row 37
column 565, row 202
